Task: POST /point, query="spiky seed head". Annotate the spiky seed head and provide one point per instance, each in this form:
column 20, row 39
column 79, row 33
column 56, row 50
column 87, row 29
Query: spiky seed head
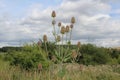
column 45, row 38
column 71, row 26
column 74, row 54
column 53, row 22
column 39, row 67
column 62, row 30
column 78, row 44
column 53, row 14
column 53, row 58
column 73, row 20
column 58, row 38
column 39, row 43
column 67, row 28
column 59, row 24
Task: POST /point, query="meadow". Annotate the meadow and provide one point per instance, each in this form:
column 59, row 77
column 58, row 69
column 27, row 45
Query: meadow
column 60, row 59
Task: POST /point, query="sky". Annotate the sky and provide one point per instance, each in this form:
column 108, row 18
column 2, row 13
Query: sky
column 24, row 21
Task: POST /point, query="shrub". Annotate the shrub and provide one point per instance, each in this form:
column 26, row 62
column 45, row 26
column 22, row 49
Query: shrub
column 28, row 58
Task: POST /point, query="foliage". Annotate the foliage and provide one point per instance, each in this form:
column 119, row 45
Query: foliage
column 28, row 58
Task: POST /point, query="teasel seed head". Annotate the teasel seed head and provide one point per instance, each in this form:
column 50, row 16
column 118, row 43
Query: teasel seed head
column 45, row 38
column 67, row 28
column 71, row 26
column 62, row 30
column 53, row 58
column 74, row 54
column 78, row 44
column 58, row 38
column 39, row 43
column 53, row 22
column 73, row 20
column 59, row 24
column 53, row 14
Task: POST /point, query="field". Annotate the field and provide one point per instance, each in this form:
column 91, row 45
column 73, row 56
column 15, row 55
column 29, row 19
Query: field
column 70, row 71
column 59, row 59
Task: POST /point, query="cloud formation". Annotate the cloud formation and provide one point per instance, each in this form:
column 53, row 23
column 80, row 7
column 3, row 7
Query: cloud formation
column 94, row 23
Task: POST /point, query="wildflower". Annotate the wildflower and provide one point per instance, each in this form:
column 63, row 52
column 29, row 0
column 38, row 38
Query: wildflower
column 53, row 14
column 62, row 30
column 39, row 67
column 39, row 43
column 59, row 24
column 53, row 58
column 81, row 67
column 78, row 44
column 74, row 54
column 58, row 38
column 67, row 28
column 73, row 20
column 45, row 38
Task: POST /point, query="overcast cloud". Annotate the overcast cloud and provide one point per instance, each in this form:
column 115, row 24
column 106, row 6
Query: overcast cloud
column 97, row 22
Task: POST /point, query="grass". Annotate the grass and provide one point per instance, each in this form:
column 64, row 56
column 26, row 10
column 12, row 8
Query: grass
column 69, row 71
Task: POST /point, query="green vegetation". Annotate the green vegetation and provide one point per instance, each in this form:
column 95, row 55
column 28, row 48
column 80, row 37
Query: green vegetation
column 59, row 60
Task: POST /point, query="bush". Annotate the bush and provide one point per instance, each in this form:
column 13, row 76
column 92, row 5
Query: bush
column 28, row 58
column 101, row 56
column 93, row 55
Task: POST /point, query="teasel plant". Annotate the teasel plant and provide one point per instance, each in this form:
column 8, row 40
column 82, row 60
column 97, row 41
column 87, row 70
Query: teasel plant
column 63, row 34
column 71, row 28
column 76, row 53
column 53, row 15
column 67, row 31
column 45, row 43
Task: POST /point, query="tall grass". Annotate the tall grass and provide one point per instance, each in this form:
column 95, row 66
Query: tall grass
column 71, row 71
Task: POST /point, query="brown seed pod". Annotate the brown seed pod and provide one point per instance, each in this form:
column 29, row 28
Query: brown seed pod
column 53, row 14
column 53, row 22
column 53, row 58
column 71, row 26
column 67, row 28
column 45, row 38
column 78, row 44
column 39, row 67
column 39, row 43
column 73, row 20
column 74, row 54
column 62, row 30
column 59, row 24
column 58, row 38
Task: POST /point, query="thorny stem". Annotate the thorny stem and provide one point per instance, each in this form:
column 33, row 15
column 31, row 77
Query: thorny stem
column 70, row 35
column 62, row 47
column 54, row 32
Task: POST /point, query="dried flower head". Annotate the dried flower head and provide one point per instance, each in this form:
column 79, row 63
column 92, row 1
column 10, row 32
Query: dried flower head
column 45, row 38
column 74, row 54
column 58, row 38
column 78, row 44
column 73, row 20
column 39, row 43
column 81, row 67
column 59, row 24
column 71, row 26
column 53, row 22
column 53, row 14
column 53, row 58
column 62, row 30
column 67, row 28
column 39, row 67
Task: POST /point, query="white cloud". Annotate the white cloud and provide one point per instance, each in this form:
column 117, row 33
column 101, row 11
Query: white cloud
column 93, row 23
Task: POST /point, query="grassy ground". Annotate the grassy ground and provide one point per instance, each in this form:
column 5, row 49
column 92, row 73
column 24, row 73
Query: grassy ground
column 70, row 71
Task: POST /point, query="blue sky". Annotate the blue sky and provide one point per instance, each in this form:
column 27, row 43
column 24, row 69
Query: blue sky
column 18, row 8
column 97, row 21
